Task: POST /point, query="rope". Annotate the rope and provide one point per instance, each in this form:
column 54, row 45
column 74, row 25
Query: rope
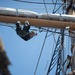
column 43, row 42
column 58, row 8
column 55, row 6
column 40, row 53
column 36, row 2
column 8, row 26
column 54, row 38
column 45, row 30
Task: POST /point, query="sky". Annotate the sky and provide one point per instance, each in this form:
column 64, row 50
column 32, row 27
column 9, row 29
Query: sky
column 24, row 55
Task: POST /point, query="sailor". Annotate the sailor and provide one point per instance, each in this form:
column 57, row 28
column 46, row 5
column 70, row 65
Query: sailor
column 24, row 32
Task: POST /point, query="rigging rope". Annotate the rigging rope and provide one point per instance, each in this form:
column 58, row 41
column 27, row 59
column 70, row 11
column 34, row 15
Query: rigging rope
column 54, row 38
column 58, row 8
column 43, row 42
column 35, row 2
column 40, row 53
column 45, row 30
column 55, row 6
column 8, row 26
column 55, row 12
column 53, row 1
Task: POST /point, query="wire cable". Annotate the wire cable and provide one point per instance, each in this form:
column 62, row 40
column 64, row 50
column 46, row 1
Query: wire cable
column 54, row 38
column 58, row 8
column 55, row 6
column 35, row 2
column 8, row 26
column 43, row 42
column 53, row 1
column 44, row 30
column 40, row 53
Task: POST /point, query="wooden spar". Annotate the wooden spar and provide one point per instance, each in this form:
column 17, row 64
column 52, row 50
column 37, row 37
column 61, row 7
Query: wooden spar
column 38, row 22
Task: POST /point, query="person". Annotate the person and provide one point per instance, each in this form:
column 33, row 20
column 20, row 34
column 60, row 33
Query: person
column 24, row 32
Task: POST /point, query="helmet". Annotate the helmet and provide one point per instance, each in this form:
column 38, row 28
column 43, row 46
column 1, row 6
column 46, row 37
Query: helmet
column 27, row 23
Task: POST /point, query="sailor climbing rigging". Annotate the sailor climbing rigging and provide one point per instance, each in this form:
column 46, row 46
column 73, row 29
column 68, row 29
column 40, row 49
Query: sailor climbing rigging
column 24, row 32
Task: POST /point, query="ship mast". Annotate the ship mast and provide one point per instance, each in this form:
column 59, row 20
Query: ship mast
column 70, row 9
column 58, row 51
column 57, row 57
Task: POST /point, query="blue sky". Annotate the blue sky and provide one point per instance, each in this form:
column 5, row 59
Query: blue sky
column 24, row 54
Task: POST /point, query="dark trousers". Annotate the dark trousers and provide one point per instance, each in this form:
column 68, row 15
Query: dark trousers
column 26, row 38
column 26, row 28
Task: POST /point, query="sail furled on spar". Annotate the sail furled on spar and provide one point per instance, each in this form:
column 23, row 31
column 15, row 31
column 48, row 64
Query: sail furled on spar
column 11, row 15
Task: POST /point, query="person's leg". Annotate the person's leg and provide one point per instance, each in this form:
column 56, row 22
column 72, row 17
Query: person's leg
column 18, row 26
column 26, row 28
